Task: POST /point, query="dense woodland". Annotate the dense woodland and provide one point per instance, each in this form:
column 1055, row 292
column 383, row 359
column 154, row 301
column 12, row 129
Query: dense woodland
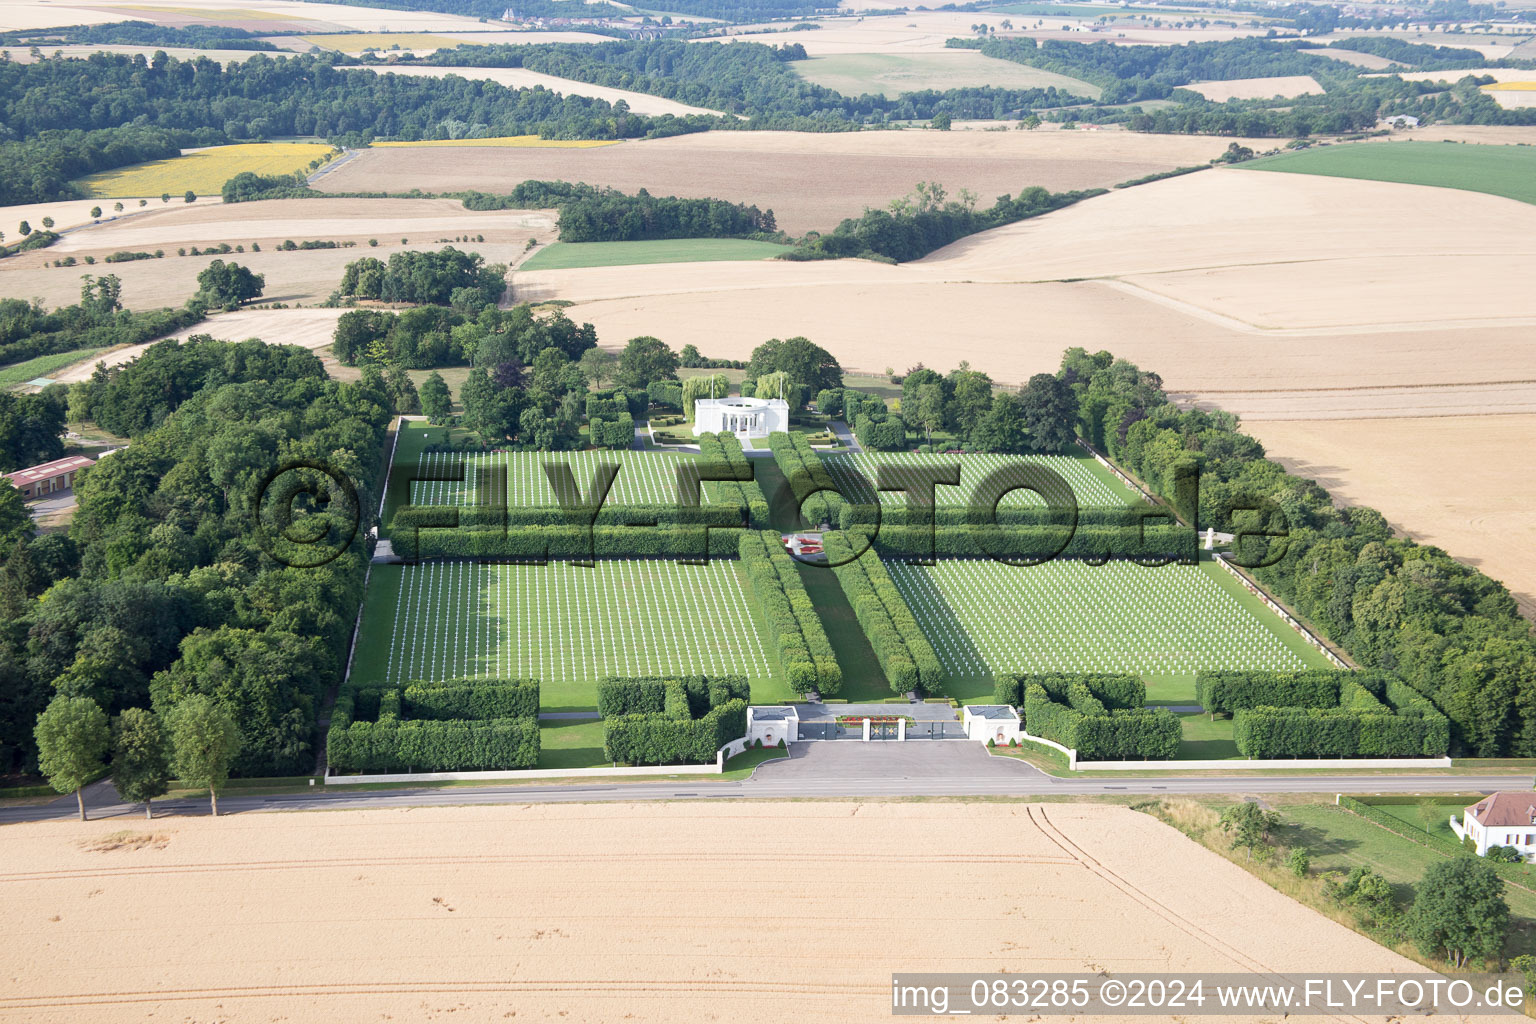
column 63, row 118
column 162, row 588
column 1451, row 632
column 744, row 78
column 139, row 33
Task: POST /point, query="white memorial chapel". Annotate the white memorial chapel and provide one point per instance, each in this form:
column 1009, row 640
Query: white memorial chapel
column 746, row 417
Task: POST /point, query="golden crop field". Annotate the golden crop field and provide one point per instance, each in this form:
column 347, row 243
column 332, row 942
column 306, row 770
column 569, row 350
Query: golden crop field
column 357, row 42
column 510, row 141
column 1510, row 87
column 211, row 13
column 204, row 171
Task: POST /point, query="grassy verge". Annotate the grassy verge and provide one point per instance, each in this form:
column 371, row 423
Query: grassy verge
column 42, row 366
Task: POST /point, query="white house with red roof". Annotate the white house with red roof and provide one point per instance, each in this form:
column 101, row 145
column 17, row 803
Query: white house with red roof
column 1500, row 819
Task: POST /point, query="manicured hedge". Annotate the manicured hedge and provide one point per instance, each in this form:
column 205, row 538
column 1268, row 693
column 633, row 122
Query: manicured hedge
column 483, row 517
column 656, row 738
column 472, row 699
column 1114, row 690
column 636, row 695
column 1266, row 732
column 668, row 394
column 804, row 652
column 813, row 487
column 1097, row 732
column 721, row 455
column 902, row 649
column 1222, row 692
column 616, row 431
column 537, row 543
column 423, row 746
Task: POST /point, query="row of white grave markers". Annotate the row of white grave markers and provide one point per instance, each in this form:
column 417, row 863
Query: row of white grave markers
column 1089, row 488
column 565, row 623
column 1068, row 616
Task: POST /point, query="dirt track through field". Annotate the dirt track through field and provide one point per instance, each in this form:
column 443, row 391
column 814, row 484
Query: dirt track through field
column 661, row 912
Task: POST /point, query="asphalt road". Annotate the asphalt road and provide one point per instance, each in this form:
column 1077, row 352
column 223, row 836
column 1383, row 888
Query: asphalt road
column 819, row 770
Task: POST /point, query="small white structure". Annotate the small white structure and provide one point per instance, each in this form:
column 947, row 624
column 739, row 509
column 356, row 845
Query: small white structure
column 745, row 417
column 772, row 723
column 1501, row 819
column 996, row 722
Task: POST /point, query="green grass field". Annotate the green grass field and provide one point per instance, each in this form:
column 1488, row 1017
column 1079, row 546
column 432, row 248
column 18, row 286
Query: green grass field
column 1508, row 171
column 564, row 625
column 857, row 475
column 571, row 255
column 1168, row 622
column 883, row 74
column 42, row 366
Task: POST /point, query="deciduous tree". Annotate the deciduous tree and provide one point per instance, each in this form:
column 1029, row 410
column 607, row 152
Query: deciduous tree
column 72, row 737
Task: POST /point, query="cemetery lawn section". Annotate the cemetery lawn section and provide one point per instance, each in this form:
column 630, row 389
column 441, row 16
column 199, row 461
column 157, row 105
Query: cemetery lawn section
column 565, row 625
column 1508, row 171
column 573, row 255
column 857, row 474
column 1164, row 623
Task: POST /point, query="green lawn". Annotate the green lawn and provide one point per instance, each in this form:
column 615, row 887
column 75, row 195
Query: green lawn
column 1092, row 485
column 1508, row 171
column 564, row 625
column 570, row 255
column 744, row 763
column 1205, row 739
column 571, row 743
column 889, row 74
column 42, row 366
column 863, row 678
column 1338, row 840
column 1409, row 814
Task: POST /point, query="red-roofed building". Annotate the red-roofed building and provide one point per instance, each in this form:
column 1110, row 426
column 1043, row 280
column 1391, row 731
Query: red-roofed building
column 1500, row 819
column 50, row 477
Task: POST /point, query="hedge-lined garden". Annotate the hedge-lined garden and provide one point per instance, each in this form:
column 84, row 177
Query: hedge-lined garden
column 449, row 725
column 813, row 487
column 1093, row 715
column 720, row 455
column 804, row 652
column 671, row 720
column 904, row 652
column 1323, row 713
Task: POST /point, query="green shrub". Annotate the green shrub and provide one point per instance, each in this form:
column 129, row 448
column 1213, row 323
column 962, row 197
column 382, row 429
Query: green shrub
column 472, row 699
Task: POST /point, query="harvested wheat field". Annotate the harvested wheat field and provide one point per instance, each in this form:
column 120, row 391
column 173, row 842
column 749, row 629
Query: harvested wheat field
column 522, row 78
column 1257, row 88
column 1462, row 483
column 665, row 912
column 1196, row 276
column 810, row 181
column 306, row 276
column 275, row 16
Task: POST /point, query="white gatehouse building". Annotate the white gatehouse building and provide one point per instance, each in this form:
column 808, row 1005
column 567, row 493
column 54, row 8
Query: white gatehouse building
column 746, row 417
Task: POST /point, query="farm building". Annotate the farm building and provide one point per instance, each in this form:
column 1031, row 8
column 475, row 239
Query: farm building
column 747, row 417
column 48, row 478
column 1501, row 819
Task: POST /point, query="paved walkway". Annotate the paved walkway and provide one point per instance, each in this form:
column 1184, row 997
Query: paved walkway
column 887, row 759
column 845, row 435
column 917, row 712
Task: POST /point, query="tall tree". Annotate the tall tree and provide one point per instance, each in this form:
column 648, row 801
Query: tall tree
column 72, row 737
column 599, row 365
column 1050, row 409
column 141, row 765
column 204, row 742
column 646, row 359
column 1459, row 910
column 928, row 411
column 228, row 284
column 805, row 362
column 435, row 399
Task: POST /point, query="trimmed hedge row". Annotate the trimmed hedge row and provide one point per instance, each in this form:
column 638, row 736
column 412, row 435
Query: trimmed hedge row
column 1337, row 732
column 1114, row 690
column 1153, row 544
column 902, row 649
column 538, row 543
column 610, row 404
column 641, row 695
column 657, row 738
column 804, row 652
column 1229, row 691
column 809, row 480
column 617, row 432
column 487, row 517
column 422, row 745
column 666, row 393
column 1094, row 731
column 723, row 455
column 1007, row 515
column 472, row 699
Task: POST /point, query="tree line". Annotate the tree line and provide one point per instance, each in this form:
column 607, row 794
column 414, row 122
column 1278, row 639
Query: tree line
column 1449, row 631
column 140, row 33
